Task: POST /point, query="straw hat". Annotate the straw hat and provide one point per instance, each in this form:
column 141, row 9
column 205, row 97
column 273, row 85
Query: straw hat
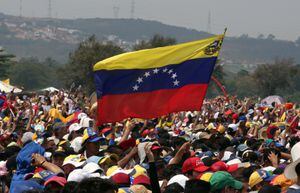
column 290, row 170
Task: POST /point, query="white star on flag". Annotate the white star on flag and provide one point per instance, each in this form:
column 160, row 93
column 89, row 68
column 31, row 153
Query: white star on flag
column 170, row 71
column 147, row 74
column 176, row 83
column 140, row 80
column 155, row 71
column 174, row 75
column 165, row 70
column 136, row 87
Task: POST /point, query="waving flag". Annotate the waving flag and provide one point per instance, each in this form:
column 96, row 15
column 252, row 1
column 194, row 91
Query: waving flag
column 154, row 82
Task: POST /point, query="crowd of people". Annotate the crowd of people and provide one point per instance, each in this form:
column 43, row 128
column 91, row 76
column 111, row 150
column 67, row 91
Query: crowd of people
column 50, row 143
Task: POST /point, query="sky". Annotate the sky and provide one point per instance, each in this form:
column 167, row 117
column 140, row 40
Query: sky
column 253, row 17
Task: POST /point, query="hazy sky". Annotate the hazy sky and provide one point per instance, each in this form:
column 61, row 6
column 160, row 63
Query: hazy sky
column 279, row 17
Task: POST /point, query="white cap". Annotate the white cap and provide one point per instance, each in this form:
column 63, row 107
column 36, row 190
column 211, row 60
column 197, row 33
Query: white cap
column 74, row 127
column 74, row 160
column 77, row 175
column 81, row 115
column 85, row 122
column 234, row 127
column 180, row 179
column 92, row 168
column 27, row 137
column 76, row 144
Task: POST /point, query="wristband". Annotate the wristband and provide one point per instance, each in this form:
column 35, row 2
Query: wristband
column 43, row 162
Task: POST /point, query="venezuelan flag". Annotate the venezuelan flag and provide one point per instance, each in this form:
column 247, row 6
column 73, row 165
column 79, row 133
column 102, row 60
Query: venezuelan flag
column 154, row 82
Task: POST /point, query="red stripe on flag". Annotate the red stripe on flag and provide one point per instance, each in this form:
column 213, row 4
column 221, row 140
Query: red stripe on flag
column 113, row 108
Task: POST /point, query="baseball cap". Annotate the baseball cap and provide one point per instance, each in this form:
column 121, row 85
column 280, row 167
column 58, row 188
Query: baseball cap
column 85, row 122
column 141, row 179
column 221, row 179
column 121, row 178
column 258, row 176
column 139, row 189
column 27, row 137
column 56, row 179
column 89, row 135
column 193, row 163
column 137, row 171
column 94, row 159
column 92, row 168
column 205, row 176
column 77, row 175
column 221, row 166
column 74, row 160
column 74, row 127
column 180, row 179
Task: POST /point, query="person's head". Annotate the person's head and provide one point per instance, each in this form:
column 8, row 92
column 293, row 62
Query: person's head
column 192, row 186
column 60, row 130
column 70, row 187
column 58, row 158
column 55, row 184
column 96, row 185
column 269, row 189
column 174, row 188
column 91, row 142
column 193, row 167
column 223, row 182
column 258, row 179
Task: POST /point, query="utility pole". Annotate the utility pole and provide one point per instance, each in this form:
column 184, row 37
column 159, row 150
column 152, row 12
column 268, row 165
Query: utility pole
column 209, row 23
column 132, row 10
column 49, row 8
column 21, row 7
column 116, row 12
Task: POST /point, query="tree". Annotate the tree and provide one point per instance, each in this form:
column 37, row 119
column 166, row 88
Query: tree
column 5, row 62
column 31, row 74
column 298, row 41
column 270, row 78
column 260, row 36
column 154, row 42
column 79, row 69
column 271, row 37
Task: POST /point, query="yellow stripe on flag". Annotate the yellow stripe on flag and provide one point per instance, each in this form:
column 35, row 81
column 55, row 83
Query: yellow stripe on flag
column 162, row 56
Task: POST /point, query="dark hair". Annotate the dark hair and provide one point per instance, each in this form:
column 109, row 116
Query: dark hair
column 298, row 169
column 192, row 186
column 33, row 191
column 70, row 187
column 174, row 188
column 269, row 189
column 96, row 185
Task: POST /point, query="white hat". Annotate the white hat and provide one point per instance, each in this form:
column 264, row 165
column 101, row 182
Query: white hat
column 290, row 170
column 234, row 161
column 180, row 179
column 85, row 122
column 92, row 167
column 76, row 144
column 77, row 175
column 74, row 160
column 234, row 127
column 81, row 115
column 74, row 127
column 27, row 137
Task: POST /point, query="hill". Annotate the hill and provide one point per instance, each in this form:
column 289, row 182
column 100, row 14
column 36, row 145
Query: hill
column 42, row 37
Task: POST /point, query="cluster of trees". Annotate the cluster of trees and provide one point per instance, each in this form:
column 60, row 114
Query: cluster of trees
column 281, row 77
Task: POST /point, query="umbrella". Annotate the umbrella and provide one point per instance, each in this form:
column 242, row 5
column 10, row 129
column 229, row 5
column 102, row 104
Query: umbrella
column 274, row 98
